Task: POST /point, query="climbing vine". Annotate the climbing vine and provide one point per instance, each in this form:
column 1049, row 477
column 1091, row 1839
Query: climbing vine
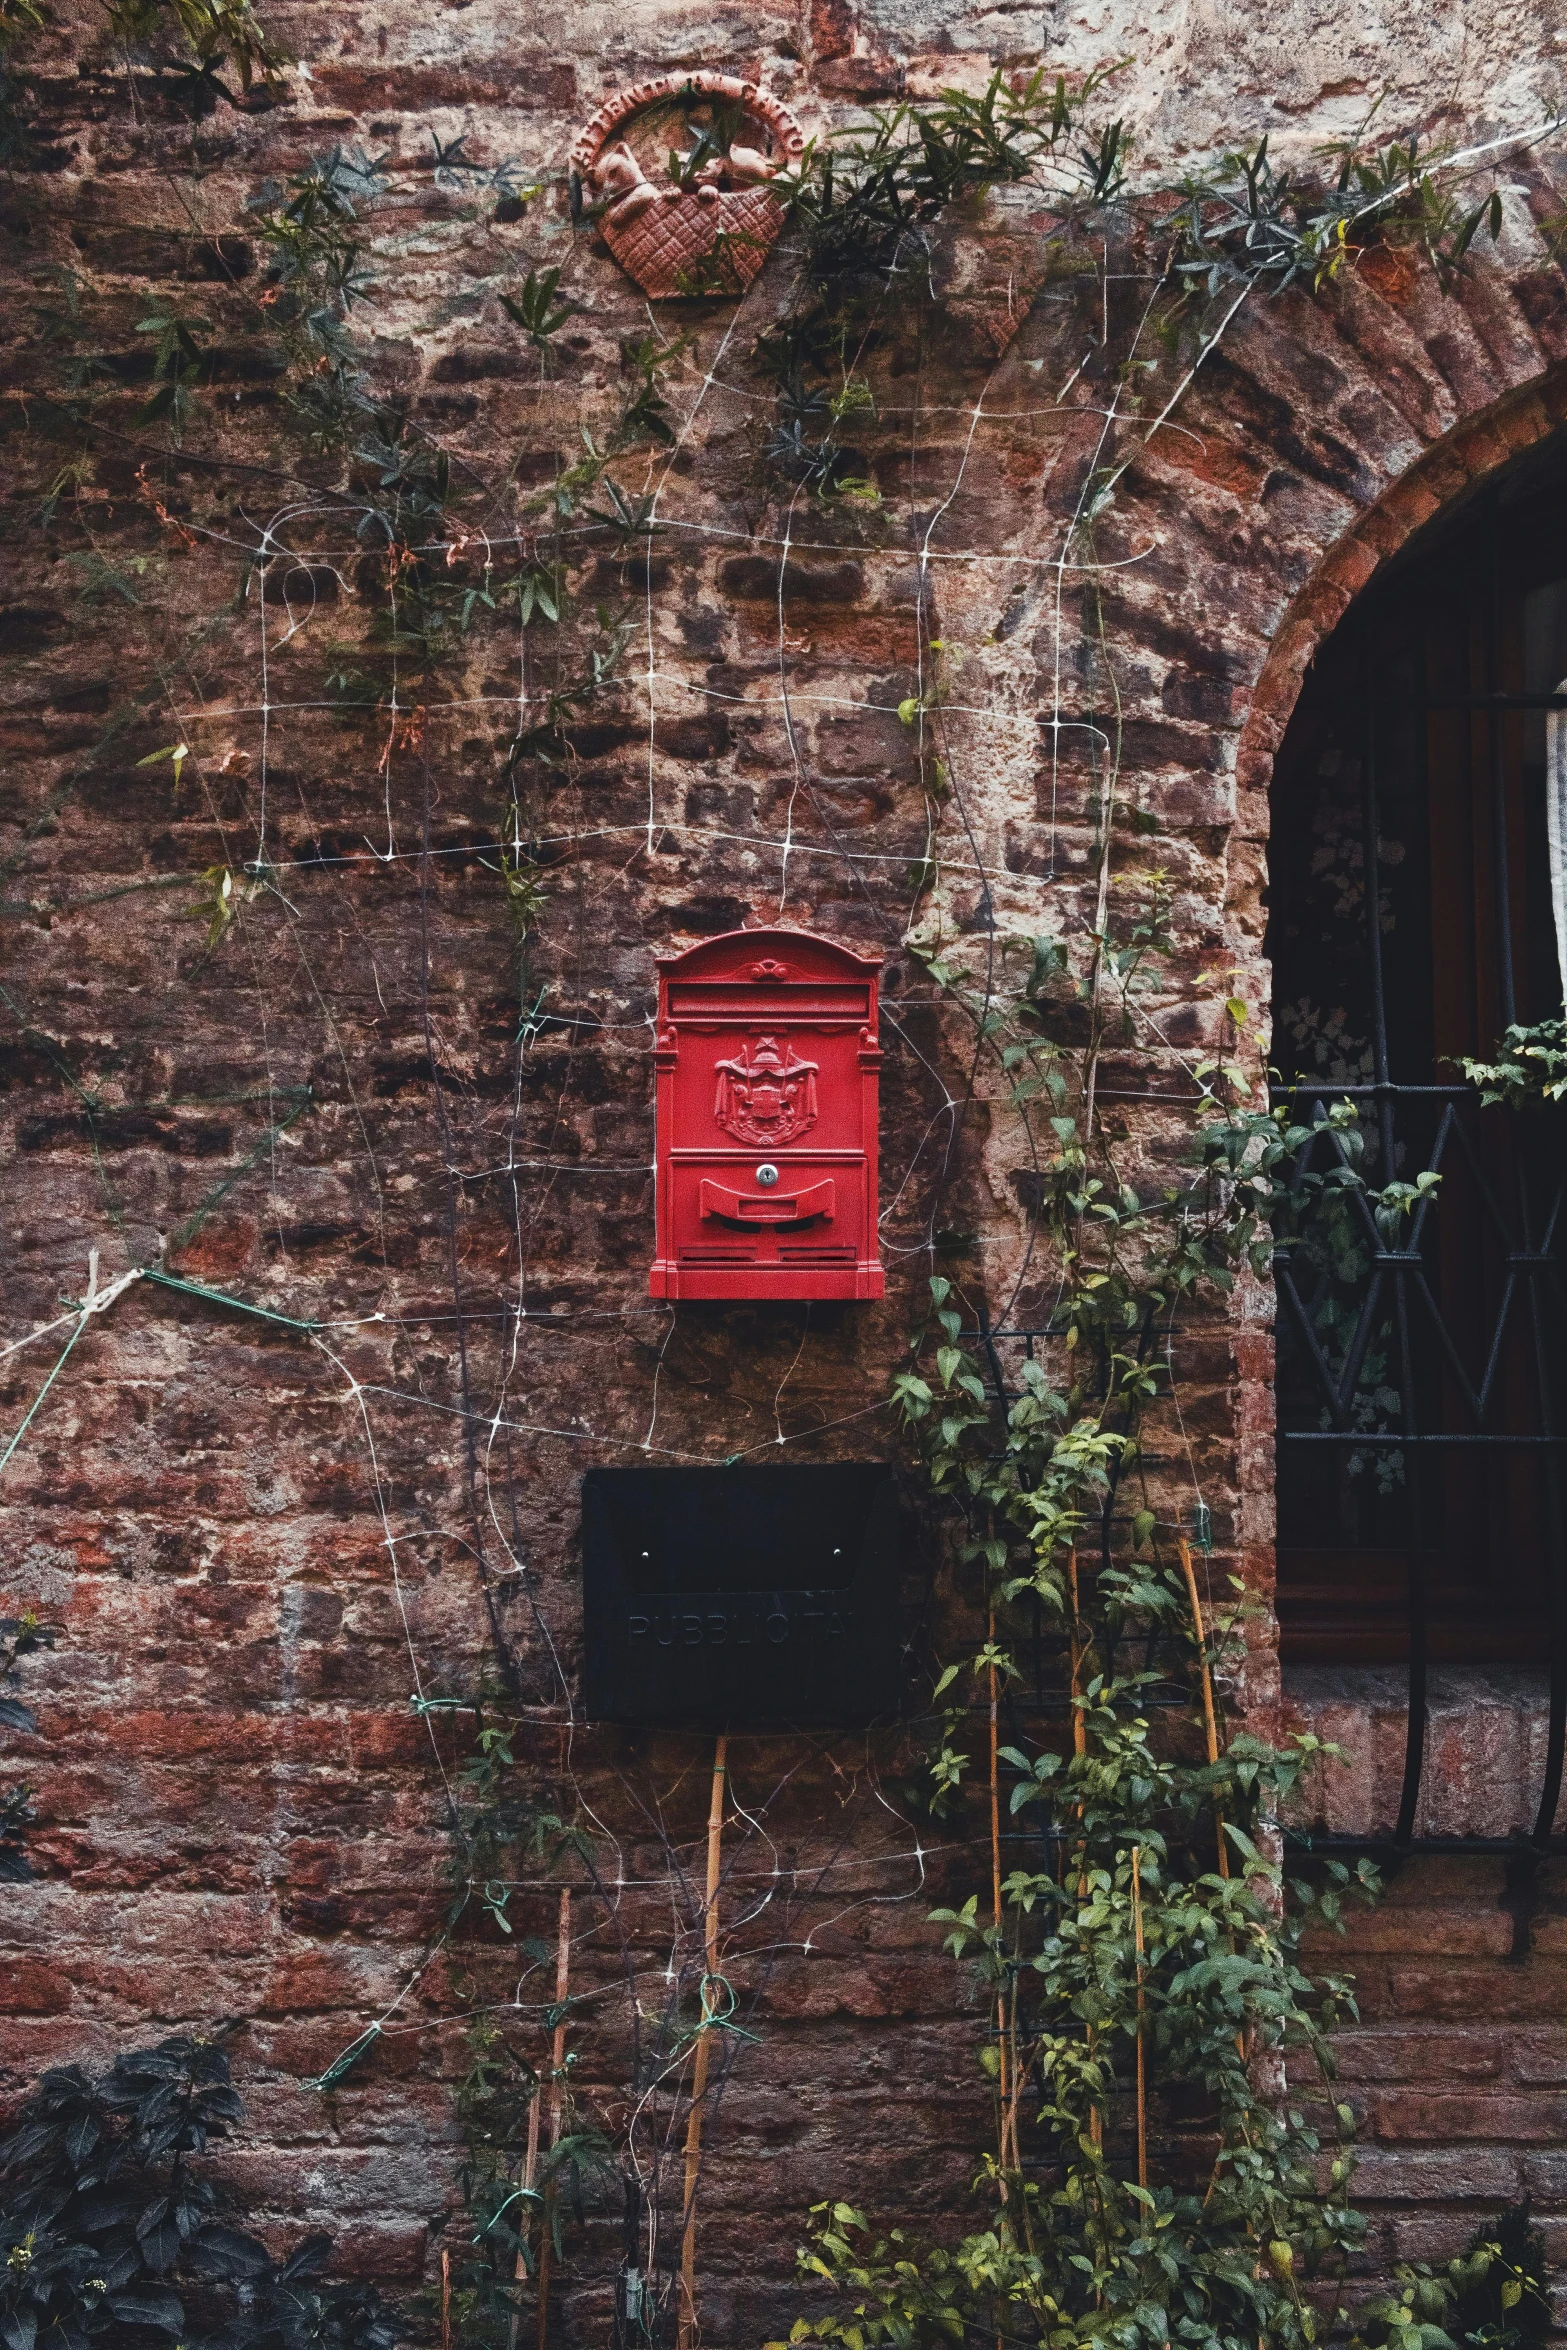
column 1139, row 1951
column 1530, row 1067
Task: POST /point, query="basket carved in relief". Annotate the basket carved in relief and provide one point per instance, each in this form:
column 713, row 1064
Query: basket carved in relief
column 708, row 231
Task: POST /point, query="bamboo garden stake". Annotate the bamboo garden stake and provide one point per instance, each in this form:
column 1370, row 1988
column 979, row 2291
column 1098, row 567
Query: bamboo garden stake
column 1009, row 2078
column 686, row 2332
column 1210, row 1722
column 530, row 2171
column 530, row 2160
column 1096, row 2124
column 1142, row 2052
column 557, row 2100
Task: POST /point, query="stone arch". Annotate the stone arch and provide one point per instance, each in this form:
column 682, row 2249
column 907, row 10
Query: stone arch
column 1479, row 450
column 1472, row 453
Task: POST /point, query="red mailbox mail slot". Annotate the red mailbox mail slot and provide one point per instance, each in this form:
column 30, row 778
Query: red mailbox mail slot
column 739, row 1207
column 767, row 1066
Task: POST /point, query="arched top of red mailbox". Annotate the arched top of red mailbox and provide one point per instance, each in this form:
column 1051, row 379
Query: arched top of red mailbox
column 769, row 958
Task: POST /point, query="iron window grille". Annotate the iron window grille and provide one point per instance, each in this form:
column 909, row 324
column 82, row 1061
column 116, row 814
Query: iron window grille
column 1422, row 1407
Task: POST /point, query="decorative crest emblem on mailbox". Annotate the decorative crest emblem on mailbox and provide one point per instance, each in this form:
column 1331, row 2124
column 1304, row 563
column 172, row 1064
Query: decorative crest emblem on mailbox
column 765, row 1178
column 766, row 1097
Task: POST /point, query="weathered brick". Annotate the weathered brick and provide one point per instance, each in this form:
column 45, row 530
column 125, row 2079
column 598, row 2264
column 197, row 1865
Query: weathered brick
column 243, row 1814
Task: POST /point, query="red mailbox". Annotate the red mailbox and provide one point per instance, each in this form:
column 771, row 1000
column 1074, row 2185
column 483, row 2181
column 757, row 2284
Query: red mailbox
column 767, row 1065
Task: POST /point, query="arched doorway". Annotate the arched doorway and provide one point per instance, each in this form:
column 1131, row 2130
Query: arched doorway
column 1417, row 910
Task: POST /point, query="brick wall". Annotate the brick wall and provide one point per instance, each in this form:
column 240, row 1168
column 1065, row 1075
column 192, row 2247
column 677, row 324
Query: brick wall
column 252, row 1537
column 1457, row 2068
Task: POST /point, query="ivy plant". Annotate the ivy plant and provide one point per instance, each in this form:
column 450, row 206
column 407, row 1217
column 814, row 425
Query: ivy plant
column 1168, row 2161
column 1530, row 1066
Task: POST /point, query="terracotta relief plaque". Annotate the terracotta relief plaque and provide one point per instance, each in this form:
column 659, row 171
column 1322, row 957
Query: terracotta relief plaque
column 682, row 165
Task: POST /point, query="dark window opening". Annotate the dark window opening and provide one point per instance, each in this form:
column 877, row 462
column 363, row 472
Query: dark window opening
column 1420, row 1383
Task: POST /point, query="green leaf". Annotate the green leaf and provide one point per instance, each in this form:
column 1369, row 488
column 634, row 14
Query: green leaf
column 149, row 2307
column 178, row 752
column 535, row 308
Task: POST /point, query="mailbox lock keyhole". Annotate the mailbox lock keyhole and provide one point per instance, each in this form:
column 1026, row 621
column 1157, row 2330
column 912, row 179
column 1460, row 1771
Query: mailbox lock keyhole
column 767, row 1175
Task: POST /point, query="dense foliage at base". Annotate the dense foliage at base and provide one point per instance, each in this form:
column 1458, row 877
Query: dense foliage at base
column 111, row 2231
column 1493, row 2297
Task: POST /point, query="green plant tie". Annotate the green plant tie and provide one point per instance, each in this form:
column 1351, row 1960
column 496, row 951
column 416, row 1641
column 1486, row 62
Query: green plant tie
column 716, row 2017
column 221, row 1297
column 99, row 1301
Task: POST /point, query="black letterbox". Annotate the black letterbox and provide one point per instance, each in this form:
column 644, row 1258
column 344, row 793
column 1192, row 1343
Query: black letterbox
column 740, row 1596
